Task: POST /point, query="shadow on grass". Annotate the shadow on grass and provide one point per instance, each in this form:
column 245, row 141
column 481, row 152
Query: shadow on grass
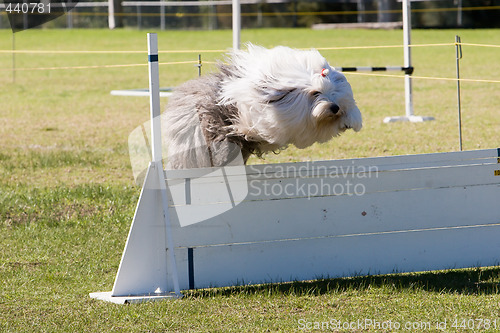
column 474, row 281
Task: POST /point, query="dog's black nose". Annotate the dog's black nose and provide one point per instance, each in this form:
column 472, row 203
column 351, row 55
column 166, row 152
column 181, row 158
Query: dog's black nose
column 334, row 108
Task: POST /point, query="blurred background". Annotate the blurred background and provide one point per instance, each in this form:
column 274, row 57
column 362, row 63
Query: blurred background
column 275, row 13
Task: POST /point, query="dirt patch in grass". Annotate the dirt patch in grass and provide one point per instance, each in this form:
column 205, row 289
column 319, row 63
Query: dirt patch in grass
column 24, row 265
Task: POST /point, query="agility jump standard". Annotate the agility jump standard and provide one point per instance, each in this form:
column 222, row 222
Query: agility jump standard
column 409, row 116
column 407, row 69
column 216, row 227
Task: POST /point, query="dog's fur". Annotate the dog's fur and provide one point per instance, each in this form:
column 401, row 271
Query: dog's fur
column 261, row 100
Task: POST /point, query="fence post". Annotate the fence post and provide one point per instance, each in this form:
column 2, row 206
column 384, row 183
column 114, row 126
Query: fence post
column 236, row 24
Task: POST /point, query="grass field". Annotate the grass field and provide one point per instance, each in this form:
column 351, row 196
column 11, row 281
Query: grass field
column 67, row 194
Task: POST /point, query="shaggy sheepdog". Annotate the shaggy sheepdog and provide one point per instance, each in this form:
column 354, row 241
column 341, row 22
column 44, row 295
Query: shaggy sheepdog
column 259, row 100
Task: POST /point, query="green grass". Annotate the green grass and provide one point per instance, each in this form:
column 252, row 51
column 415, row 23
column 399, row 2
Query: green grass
column 67, row 195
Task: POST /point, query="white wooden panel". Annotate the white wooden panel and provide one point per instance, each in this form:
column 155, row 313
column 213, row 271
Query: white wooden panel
column 207, row 196
column 213, row 190
column 420, row 212
column 376, row 212
column 397, row 199
column 383, row 163
column 344, row 256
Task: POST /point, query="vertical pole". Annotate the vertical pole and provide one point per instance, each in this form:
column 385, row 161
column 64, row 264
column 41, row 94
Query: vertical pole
column 213, row 18
column 361, row 10
column 199, row 65
column 407, row 56
column 111, row 14
column 154, row 93
column 25, row 18
column 162, row 15
column 459, row 13
column 154, row 96
column 236, row 24
column 69, row 14
column 13, row 57
column 139, row 17
column 458, row 51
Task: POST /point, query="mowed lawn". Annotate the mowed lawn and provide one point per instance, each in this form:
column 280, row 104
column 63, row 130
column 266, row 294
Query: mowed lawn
column 67, row 193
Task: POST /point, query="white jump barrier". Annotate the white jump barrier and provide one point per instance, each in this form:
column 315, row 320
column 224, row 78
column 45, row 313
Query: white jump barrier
column 256, row 224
